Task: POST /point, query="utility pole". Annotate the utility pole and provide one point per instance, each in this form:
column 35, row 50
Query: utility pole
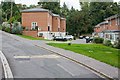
column 11, row 16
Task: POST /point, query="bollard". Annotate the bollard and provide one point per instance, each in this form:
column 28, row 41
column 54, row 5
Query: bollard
column 69, row 44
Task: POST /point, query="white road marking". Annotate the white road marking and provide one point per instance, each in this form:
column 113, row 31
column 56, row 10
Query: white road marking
column 66, row 70
column 37, row 56
column 6, row 67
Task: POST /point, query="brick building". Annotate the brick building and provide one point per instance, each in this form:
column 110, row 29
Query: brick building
column 48, row 24
column 109, row 29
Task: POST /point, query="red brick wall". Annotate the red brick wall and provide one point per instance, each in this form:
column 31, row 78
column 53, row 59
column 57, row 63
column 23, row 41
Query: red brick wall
column 50, row 21
column 62, row 25
column 113, row 25
column 30, row 33
column 55, row 23
column 40, row 17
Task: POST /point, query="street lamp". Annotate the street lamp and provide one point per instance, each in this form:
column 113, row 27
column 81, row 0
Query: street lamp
column 11, row 16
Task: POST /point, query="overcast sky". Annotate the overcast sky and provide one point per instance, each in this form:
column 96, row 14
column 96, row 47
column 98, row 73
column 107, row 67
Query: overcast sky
column 74, row 3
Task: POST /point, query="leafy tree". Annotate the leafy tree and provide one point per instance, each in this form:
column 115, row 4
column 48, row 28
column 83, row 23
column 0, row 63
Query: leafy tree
column 52, row 6
column 6, row 10
column 64, row 10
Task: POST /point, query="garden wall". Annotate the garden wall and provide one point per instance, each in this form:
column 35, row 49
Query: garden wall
column 30, row 33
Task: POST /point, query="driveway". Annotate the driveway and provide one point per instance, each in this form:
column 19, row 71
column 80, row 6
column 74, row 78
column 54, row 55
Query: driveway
column 79, row 41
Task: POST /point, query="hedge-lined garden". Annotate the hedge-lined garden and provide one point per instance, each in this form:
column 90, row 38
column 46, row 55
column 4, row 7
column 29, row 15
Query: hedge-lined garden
column 16, row 28
column 98, row 40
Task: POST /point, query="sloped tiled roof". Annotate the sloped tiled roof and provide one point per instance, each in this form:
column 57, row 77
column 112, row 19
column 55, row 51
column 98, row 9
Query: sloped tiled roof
column 35, row 10
column 55, row 14
column 112, row 17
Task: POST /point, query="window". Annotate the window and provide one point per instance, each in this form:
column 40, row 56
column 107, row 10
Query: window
column 110, row 22
column 40, row 34
column 58, row 29
column 118, row 21
column 111, row 36
column 34, row 24
column 48, row 28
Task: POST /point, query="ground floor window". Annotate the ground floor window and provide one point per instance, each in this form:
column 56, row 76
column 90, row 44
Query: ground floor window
column 33, row 25
column 40, row 34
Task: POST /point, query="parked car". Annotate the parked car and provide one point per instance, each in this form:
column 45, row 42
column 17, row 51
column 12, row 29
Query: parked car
column 69, row 37
column 82, row 37
column 60, row 38
column 87, row 37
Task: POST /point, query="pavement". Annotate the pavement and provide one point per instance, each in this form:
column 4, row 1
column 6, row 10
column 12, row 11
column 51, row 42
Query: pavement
column 94, row 64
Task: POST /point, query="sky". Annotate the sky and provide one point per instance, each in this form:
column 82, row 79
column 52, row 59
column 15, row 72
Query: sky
column 70, row 3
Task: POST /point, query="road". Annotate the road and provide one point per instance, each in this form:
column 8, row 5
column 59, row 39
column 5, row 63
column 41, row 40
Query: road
column 29, row 61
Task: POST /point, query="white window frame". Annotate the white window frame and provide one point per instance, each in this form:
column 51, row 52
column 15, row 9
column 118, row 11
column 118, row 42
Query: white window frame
column 110, row 22
column 33, row 25
column 116, row 20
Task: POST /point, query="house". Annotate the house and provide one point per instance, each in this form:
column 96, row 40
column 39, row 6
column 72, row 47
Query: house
column 109, row 29
column 48, row 24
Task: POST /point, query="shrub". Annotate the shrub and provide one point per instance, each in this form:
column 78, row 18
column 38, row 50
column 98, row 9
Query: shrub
column 0, row 27
column 17, row 30
column 23, row 28
column 117, row 44
column 3, row 28
column 98, row 40
column 7, row 29
column 107, row 43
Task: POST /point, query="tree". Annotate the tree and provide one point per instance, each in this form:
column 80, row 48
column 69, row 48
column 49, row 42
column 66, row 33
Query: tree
column 64, row 10
column 6, row 10
column 90, row 15
column 52, row 6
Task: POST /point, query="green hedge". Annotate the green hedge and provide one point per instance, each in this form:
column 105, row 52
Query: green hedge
column 98, row 40
column 107, row 43
column 117, row 44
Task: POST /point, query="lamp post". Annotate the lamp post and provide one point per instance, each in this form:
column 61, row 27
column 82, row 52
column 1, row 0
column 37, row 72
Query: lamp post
column 11, row 16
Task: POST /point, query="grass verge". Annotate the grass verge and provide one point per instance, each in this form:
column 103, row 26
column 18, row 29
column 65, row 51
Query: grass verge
column 30, row 37
column 97, row 51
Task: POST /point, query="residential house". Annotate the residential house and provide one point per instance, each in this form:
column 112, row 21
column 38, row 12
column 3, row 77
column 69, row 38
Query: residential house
column 49, row 24
column 109, row 29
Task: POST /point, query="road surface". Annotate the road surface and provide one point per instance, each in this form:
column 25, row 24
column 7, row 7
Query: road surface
column 29, row 61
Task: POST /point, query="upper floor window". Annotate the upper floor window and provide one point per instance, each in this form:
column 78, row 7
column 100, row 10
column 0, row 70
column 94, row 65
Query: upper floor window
column 110, row 22
column 117, row 21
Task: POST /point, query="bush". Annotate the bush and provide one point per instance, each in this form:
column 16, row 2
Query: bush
column 117, row 44
column 107, row 43
column 98, row 40
column 7, row 29
column 3, row 28
column 0, row 27
column 17, row 30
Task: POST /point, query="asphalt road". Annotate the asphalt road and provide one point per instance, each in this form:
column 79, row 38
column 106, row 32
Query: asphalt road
column 29, row 61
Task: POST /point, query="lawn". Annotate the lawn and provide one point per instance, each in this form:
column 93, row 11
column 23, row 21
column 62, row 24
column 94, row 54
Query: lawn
column 29, row 37
column 97, row 51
